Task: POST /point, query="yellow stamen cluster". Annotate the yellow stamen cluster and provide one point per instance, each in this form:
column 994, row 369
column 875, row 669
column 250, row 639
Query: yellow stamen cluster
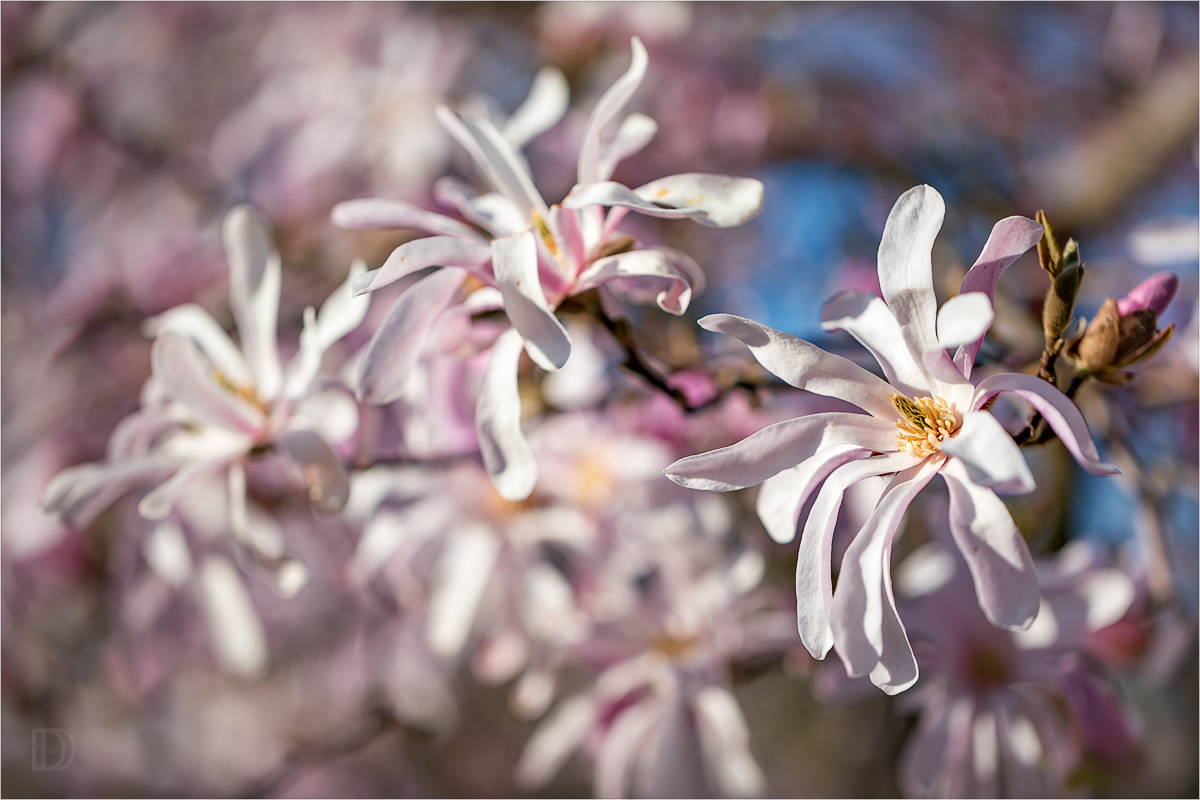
column 925, row 423
column 544, row 231
column 247, row 393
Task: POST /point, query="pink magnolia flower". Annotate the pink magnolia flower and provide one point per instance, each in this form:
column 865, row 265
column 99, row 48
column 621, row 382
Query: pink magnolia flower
column 209, row 404
column 926, row 419
column 535, row 254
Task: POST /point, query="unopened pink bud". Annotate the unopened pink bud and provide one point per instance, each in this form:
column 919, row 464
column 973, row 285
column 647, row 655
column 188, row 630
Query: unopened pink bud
column 1152, row 294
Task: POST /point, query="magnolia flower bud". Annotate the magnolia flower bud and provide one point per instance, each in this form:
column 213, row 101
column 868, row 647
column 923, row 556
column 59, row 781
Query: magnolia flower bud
column 1098, row 347
column 1126, row 331
column 1152, row 294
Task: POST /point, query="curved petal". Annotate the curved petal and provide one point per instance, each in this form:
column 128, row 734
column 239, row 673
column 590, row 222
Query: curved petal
column 552, row 743
column 1056, row 408
column 995, row 551
column 184, row 376
column 398, row 342
column 611, row 103
column 989, row 455
column 543, row 107
column 493, row 212
column 620, row 747
column 374, row 213
column 866, row 627
column 341, row 313
column 814, row 561
column 807, row 366
column 195, row 322
column 514, row 261
column 236, row 630
column 781, row 497
column 1009, row 239
column 724, row 200
column 507, row 456
column 611, row 193
column 254, row 284
column 725, row 741
column 868, row 319
column 158, row 503
column 778, row 447
column 317, row 468
column 964, row 318
column 414, row 256
column 464, row 569
column 658, row 265
column 503, row 166
column 79, row 493
column 635, row 133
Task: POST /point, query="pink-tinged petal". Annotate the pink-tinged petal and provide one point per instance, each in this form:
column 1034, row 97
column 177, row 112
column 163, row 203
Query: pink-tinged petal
column 937, row 760
column 78, row 494
column 515, row 263
column 543, row 107
column 782, row 496
column 184, row 376
column 995, row 551
column 167, row 553
column 814, row 561
column 397, row 344
column 778, row 447
column 868, row 319
column 863, row 615
column 554, row 741
column 1056, row 408
column 989, row 455
column 315, row 466
column 504, row 167
column 668, row 762
column 196, row 323
column 493, row 212
column 137, row 433
column 964, row 318
column 621, row 745
column 254, row 284
column 341, row 313
column 635, row 133
column 656, row 267
column 1021, row 753
column 158, row 504
column 507, row 456
column 725, row 740
column 906, row 269
column 1009, row 239
column 611, row 103
column 1153, row 294
column 807, row 366
column 610, row 193
column 567, row 232
column 464, row 570
column 374, row 214
column 419, row 254
column 235, row 629
column 724, row 200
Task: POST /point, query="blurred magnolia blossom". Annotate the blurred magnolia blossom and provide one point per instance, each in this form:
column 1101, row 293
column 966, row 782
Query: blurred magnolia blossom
column 534, row 255
column 926, row 419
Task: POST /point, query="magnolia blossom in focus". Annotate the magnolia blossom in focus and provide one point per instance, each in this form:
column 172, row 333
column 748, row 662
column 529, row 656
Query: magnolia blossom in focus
column 534, row 255
column 926, row 419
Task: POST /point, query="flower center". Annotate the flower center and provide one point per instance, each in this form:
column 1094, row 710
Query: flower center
column 247, row 393
column 924, row 424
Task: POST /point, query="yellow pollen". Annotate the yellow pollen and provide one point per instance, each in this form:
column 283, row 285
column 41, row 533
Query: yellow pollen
column 543, row 230
column 247, row 393
column 925, row 423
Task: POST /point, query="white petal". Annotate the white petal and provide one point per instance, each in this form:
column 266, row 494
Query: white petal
column 726, row 201
column 254, row 284
column 621, row 745
column 373, row 214
column 725, row 740
column 635, row 133
column 342, row 312
column 185, row 377
column 554, row 741
column 964, row 318
column 166, row 551
column 236, row 631
column 79, row 493
column 868, row 319
column 658, row 266
column 158, row 503
column 778, row 447
column 610, row 193
column 996, row 553
column 507, row 456
column 989, row 454
column 493, row 212
column 782, row 496
column 807, row 366
column 316, row 467
column 609, row 106
column 504, row 167
column 545, row 105
column 393, row 351
column 515, row 263
column 1056, row 408
column 194, row 321
column 419, row 254
column 464, row 569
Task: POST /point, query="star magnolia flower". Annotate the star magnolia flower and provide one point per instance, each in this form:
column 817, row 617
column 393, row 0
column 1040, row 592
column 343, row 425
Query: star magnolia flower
column 208, row 405
column 537, row 254
column 927, row 419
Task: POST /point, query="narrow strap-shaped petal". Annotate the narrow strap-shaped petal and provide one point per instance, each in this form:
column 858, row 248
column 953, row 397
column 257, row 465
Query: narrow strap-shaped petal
column 515, row 263
column 398, row 342
column 195, row 322
column 504, row 167
column 235, row 629
column 636, row 131
column 493, row 212
column 863, row 608
column 995, row 551
column 507, row 456
column 782, row 496
column 254, row 284
column 807, row 366
column 341, row 313
column 158, row 503
column 868, row 319
column 375, row 213
column 661, row 266
column 1009, row 239
column 621, row 745
column 611, row 103
column 463, row 572
column 568, row 233
column 725, row 742
column 317, row 468
column 778, row 447
column 554, row 741
column 814, row 562
column 419, row 254
column 1056, row 408
column 964, row 318
column 542, row 108
column 611, row 193
column 989, row 455
column 725, row 200
column 79, row 493
column 183, row 374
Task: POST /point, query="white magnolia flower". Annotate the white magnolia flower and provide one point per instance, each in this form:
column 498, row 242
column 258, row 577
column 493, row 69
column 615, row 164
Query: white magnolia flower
column 926, row 419
column 535, row 254
column 209, row 404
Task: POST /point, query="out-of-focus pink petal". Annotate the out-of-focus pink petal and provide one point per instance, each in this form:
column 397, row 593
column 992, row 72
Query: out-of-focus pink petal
column 635, row 133
column 195, row 322
column 317, row 468
column 542, row 108
column 184, row 375
column 78, row 494
column 254, row 284
column 554, row 741
column 158, row 503
column 725, row 740
column 611, row 103
column 237, row 633
column 507, row 456
column 621, row 745
column 937, row 760
column 989, row 454
column 807, row 366
column 995, row 551
column 515, row 263
column 373, row 214
column 782, row 496
column 964, row 318
column 659, row 266
column 1056, row 408
column 725, row 200
column 868, row 319
column 341, row 313
column 778, row 447
column 414, row 256
column 1009, row 239
column 463, row 572
column 668, row 762
column 398, row 342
